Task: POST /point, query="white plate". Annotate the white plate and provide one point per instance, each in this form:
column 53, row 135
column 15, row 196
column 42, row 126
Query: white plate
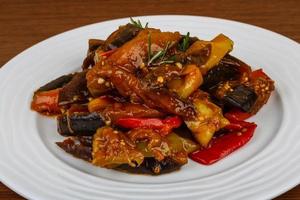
column 32, row 165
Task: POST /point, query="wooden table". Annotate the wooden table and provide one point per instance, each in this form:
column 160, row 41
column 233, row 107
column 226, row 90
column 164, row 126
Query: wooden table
column 26, row 22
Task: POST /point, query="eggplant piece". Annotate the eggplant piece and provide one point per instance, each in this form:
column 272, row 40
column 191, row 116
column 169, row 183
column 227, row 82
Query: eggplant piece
column 85, row 140
column 242, row 97
column 79, row 124
column 75, row 91
column 152, row 166
column 77, row 150
column 56, row 83
column 218, row 74
column 121, row 36
column 94, row 44
column 88, row 61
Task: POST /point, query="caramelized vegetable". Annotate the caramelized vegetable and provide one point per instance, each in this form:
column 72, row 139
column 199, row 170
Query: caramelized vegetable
column 99, row 104
column 164, row 127
column 77, row 150
column 79, row 123
column 152, row 166
column 241, row 97
column 220, row 46
column 209, row 119
column 263, row 87
column 121, row 36
column 46, row 102
column 147, row 82
column 112, row 148
column 117, row 111
column 75, row 91
column 190, row 80
column 133, row 53
column 224, row 145
column 56, row 83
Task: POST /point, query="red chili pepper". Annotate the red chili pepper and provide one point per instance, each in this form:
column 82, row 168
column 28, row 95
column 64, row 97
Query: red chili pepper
column 224, row 145
column 237, row 115
column 163, row 125
column 46, row 102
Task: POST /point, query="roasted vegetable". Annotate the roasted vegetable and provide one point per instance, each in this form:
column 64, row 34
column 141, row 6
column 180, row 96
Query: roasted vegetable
column 117, row 111
column 125, row 109
column 99, row 104
column 56, row 83
column 134, row 52
column 121, row 36
column 237, row 115
column 242, row 97
column 164, row 126
column 75, row 91
column 225, row 144
column 221, row 73
column 152, row 166
column 217, row 48
column 190, row 79
column 128, row 85
column 112, row 148
column 79, row 124
column 263, row 87
column 89, row 61
column 209, row 119
column 77, row 150
column 46, row 102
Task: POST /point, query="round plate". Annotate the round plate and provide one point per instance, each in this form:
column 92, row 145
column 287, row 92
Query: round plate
column 32, row 165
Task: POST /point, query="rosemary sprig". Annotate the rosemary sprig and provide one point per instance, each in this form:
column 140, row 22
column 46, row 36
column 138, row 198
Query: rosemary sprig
column 159, row 55
column 185, row 42
column 156, row 56
column 138, row 23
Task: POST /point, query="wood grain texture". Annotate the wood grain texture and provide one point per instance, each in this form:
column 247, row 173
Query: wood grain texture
column 26, row 22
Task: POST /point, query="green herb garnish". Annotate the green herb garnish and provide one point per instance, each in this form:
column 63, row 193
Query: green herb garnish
column 185, row 42
column 138, row 23
column 159, row 55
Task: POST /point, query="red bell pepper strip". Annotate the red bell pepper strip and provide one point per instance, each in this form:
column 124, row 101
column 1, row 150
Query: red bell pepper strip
column 164, row 126
column 224, row 145
column 46, row 102
column 236, row 114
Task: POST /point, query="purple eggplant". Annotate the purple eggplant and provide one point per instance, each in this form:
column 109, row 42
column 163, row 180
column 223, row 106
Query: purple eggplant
column 74, row 91
column 56, row 83
column 79, row 124
column 152, row 166
column 121, row 36
column 242, row 97
column 76, row 149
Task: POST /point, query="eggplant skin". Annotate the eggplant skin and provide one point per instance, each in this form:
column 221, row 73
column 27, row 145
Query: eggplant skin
column 121, row 36
column 79, row 124
column 56, row 83
column 242, row 97
column 218, row 74
column 77, row 150
column 74, row 91
column 151, row 166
